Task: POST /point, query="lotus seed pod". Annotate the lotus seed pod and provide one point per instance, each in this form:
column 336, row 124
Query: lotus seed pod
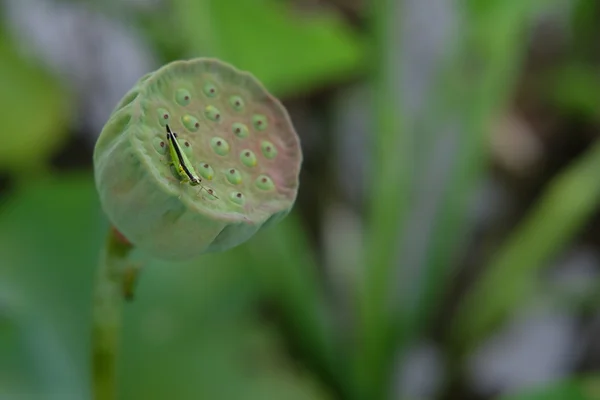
column 238, row 140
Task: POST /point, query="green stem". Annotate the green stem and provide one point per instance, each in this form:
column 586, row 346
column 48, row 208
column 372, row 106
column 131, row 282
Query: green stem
column 108, row 298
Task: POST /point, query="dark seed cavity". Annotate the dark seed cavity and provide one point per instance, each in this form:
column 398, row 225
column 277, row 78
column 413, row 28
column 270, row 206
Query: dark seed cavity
column 240, row 130
column 265, row 183
column 182, row 96
column 234, row 177
column 248, row 158
column 219, row 146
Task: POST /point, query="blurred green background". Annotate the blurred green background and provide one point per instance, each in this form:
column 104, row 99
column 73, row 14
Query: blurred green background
column 445, row 243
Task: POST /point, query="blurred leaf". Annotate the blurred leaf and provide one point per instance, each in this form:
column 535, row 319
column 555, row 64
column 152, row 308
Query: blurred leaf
column 584, row 29
column 48, row 244
column 513, row 271
column 575, row 89
column 287, row 52
column 587, row 388
column 494, row 34
column 190, row 333
column 285, row 265
column 445, row 148
column 13, row 364
column 34, row 111
column 392, row 155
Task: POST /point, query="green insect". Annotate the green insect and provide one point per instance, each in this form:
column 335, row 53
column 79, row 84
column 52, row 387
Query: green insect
column 182, row 164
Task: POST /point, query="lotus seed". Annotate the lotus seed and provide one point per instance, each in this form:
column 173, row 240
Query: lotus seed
column 163, row 116
column 159, row 145
column 248, row 158
column 182, row 97
column 212, row 113
column 211, row 193
column 259, row 122
column 234, row 176
column 268, row 150
column 240, row 130
column 191, row 123
column 210, row 90
column 220, row 146
column 187, row 147
column 237, row 198
column 206, row 171
column 236, row 103
column 263, row 182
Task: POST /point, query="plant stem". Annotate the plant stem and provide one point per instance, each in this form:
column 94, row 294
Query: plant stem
column 108, row 298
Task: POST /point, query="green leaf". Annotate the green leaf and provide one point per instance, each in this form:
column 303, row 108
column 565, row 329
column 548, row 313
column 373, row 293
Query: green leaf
column 574, row 88
column 491, row 33
column 34, row 111
column 48, row 245
column 288, row 52
column 285, row 266
column 494, row 33
column 587, row 388
column 495, row 30
column 390, row 194
column 191, row 331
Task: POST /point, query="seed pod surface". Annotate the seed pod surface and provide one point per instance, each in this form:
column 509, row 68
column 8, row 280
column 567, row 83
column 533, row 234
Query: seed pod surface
column 237, row 137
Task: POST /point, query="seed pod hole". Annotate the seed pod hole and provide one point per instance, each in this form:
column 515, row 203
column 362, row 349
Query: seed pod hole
column 237, row 103
column 248, row 158
column 259, row 122
column 237, row 198
column 239, row 130
column 233, row 176
column 210, row 90
column 219, row 146
column 263, row 182
column 211, row 194
column 160, row 145
column 183, row 97
column 163, row 116
column 206, row 171
column 268, row 150
column 187, row 147
column 212, row 113
column 190, row 122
